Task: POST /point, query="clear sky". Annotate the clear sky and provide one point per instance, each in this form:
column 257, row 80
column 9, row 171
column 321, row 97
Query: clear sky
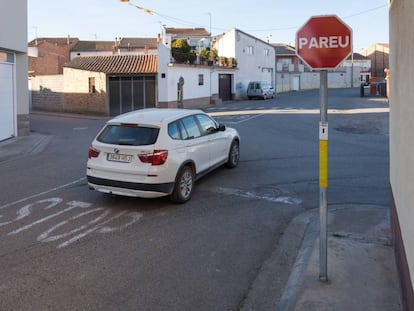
column 275, row 21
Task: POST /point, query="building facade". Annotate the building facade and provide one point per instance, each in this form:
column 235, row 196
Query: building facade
column 401, row 148
column 14, row 104
column 110, row 85
column 255, row 59
column 378, row 53
column 48, row 55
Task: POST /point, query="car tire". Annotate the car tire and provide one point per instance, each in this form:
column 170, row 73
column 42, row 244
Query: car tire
column 234, row 155
column 184, row 184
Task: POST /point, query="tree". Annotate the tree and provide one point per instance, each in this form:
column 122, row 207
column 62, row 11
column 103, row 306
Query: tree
column 181, row 50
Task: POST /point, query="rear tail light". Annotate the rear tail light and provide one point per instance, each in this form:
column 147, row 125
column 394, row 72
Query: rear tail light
column 93, row 152
column 158, row 157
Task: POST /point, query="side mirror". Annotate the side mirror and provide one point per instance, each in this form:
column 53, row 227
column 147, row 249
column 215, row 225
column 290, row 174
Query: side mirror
column 222, row 127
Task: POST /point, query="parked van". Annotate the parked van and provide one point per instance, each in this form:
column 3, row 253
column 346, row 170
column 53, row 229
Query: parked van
column 260, row 89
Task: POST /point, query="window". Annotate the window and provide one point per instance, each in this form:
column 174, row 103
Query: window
column 266, row 52
column 208, row 126
column 130, row 135
column 250, row 50
column 6, row 57
column 191, row 127
column 200, row 79
column 92, row 88
column 176, row 130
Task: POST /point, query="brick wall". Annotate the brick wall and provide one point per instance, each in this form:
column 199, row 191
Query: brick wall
column 47, row 92
column 50, row 59
column 77, row 96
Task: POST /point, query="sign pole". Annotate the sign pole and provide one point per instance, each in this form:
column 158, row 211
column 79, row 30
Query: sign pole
column 323, row 176
column 322, row 43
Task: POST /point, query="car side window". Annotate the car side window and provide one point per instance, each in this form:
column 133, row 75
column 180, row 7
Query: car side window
column 191, row 127
column 208, row 126
column 174, row 130
column 177, row 131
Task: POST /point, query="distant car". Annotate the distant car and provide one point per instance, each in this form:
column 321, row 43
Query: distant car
column 260, row 89
column 159, row 152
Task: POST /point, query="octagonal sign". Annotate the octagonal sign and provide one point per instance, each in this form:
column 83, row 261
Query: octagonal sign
column 323, row 42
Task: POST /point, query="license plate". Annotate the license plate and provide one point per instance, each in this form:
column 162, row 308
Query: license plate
column 116, row 157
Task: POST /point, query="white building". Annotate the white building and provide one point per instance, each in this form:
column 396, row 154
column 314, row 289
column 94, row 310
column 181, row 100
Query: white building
column 14, row 95
column 201, row 85
column 255, row 58
column 401, row 146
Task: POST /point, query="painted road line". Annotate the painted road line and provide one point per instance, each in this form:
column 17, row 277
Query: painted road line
column 251, row 195
column 43, row 193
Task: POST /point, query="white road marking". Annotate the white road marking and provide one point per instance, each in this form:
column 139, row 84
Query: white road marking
column 251, row 195
column 100, row 224
column 81, row 235
column 72, row 205
column 298, row 111
column 43, row 193
column 44, row 237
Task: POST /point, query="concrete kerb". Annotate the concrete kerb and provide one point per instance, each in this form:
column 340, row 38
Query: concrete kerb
column 362, row 272
column 17, row 147
column 276, row 283
column 361, row 266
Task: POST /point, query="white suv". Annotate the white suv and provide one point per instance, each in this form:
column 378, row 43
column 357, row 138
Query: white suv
column 158, row 152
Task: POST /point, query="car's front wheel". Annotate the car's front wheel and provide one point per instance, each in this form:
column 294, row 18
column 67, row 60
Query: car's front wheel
column 234, row 155
column 184, row 184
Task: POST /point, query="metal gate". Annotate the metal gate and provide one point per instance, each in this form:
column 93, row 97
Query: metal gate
column 131, row 93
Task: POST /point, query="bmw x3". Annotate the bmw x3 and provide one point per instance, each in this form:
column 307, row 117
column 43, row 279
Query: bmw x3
column 159, row 152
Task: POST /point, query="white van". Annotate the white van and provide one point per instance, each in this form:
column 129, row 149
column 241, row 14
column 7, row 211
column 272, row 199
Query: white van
column 260, row 89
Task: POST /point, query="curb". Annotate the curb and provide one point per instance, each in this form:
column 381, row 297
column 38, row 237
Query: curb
column 285, row 267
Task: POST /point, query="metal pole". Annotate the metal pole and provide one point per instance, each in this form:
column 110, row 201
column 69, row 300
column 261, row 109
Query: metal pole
column 323, row 176
column 352, row 69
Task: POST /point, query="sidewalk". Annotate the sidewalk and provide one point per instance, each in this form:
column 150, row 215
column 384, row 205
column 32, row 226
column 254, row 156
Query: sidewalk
column 22, row 145
column 362, row 272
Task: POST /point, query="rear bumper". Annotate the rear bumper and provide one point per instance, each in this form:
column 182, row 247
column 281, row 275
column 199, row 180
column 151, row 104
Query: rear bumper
column 130, row 188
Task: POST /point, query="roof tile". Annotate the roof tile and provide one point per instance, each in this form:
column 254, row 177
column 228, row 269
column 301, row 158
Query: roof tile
column 117, row 64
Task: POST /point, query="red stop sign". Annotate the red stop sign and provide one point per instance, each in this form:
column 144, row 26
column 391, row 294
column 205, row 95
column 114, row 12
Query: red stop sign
column 323, row 42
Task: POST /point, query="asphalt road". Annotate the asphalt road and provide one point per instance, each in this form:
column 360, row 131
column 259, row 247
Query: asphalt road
column 64, row 247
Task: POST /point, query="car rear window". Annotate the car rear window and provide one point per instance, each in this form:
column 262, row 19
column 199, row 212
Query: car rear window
column 131, row 135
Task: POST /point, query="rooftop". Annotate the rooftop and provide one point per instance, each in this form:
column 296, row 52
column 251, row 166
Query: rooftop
column 187, row 31
column 116, row 64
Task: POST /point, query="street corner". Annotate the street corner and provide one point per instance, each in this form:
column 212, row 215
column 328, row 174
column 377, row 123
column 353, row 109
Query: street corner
column 361, row 276
column 23, row 145
column 361, row 267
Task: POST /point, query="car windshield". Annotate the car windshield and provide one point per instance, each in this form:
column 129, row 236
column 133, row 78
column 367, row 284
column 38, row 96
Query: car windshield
column 128, row 135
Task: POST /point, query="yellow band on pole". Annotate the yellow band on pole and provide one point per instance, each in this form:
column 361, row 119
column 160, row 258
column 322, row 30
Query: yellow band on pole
column 323, row 163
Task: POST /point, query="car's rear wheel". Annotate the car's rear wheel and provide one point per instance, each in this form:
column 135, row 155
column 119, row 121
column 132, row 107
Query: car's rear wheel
column 184, row 184
column 234, row 155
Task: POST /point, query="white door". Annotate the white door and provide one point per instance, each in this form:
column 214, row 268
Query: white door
column 295, row 83
column 6, row 101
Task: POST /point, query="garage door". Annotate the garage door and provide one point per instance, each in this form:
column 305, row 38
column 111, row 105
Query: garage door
column 131, row 93
column 6, row 101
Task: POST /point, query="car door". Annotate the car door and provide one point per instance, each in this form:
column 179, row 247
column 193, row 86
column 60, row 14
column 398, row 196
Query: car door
column 217, row 141
column 196, row 144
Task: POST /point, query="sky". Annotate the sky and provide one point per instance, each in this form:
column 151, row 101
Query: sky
column 275, row 21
